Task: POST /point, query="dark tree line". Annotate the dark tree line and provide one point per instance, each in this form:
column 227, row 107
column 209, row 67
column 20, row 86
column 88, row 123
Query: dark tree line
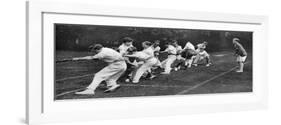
column 79, row 37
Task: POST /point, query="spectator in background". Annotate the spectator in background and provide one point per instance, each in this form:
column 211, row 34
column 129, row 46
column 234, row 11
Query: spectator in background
column 240, row 54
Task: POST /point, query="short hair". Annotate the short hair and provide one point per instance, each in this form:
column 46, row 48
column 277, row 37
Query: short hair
column 147, row 43
column 127, row 39
column 205, row 42
column 157, row 41
column 95, row 47
column 236, row 39
column 174, row 41
column 132, row 49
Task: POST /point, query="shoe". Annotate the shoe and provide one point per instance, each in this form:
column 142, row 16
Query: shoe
column 112, row 88
column 127, row 80
column 152, row 77
column 86, row 92
column 239, row 71
column 165, row 73
column 176, row 69
column 135, row 82
column 195, row 64
column 208, row 64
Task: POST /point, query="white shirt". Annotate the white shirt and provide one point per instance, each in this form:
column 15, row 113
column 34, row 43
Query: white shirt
column 123, row 49
column 201, row 52
column 171, row 50
column 189, row 45
column 179, row 49
column 142, row 56
column 149, row 51
column 201, row 46
column 157, row 49
column 108, row 55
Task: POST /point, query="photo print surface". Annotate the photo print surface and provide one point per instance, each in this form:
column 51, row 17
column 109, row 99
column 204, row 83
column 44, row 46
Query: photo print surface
column 99, row 61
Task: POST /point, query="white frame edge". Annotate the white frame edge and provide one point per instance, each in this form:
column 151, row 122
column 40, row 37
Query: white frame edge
column 34, row 64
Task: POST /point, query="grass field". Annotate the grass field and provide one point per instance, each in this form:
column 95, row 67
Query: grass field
column 218, row 78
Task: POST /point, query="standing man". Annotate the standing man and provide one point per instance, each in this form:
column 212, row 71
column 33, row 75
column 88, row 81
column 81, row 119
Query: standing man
column 240, row 54
column 110, row 74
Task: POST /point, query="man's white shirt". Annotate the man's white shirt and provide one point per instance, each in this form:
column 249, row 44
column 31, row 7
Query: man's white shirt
column 149, row 51
column 201, row 46
column 108, row 55
column 171, row 50
column 179, row 49
column 123, row 49
column 157, row 49
column 189, row 45
column 142, row 56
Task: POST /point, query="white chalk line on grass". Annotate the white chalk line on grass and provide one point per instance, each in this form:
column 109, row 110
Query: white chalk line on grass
column 160, row 86
column 68, row 92
column 127, row 85
column 206, row 81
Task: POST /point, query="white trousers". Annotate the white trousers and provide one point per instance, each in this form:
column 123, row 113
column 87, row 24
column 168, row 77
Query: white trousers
column 200, row 57
column 168, row 62
column 179, row 57
column 146, row 66
column 241, row 59
column 110, row 74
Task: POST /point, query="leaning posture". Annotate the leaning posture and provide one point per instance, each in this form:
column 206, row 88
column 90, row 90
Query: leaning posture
column 167, row 63
column 110, row 74
column 180, row 59
column 127, row 43
column 240, row 54
column 202, row 54
column 147, row 57
column 156, row 48
column 189, row 53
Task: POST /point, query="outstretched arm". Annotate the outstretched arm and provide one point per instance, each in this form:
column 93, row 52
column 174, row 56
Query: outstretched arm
column 84, row 58
column 163, row 51
column 166, row 50
column 133, row 55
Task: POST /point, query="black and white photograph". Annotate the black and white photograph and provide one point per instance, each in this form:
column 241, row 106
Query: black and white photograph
column 97, row 62
column 103, row 61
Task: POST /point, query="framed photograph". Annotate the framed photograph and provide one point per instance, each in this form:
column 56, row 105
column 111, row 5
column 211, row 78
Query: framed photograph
column 91, row 62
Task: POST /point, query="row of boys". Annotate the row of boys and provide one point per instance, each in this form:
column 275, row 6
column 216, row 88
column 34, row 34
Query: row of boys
column 134, row 64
